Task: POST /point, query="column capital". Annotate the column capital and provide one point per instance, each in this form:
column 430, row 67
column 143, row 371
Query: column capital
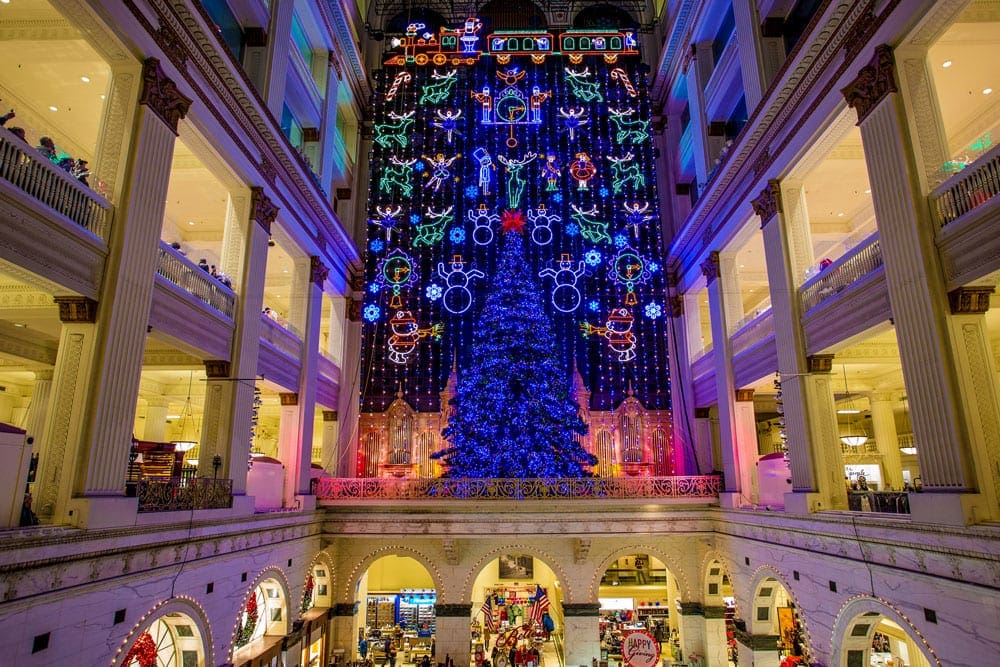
column 161, row 95
column 702, row 413
column 768, row 202
column 217, row 368
column 744, row 395
column 578, row 609
column 76, row 309
column 289, row 398
column 44, row 374
column 690, row 609
column 452, row 610
column 329, row 415
column 317, row 271
column 757, row 642
column 675, row 304
column 356, row 278
column 714, row 611
column 353, row 309
column 262, row 210
column 873, row 84
column 970, row 300
column 344, row 608
column 711, row 268
column 883, row 396
column 819, row 363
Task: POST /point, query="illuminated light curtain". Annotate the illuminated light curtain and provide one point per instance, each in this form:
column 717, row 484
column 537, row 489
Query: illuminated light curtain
column 605, row 454
column 631, row 430
column 661, row 453
column 372, row 449
column 400, row 435
column 425, row 448
column 469, row 125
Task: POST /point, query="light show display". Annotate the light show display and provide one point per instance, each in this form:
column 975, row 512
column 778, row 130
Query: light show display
column 474, row 134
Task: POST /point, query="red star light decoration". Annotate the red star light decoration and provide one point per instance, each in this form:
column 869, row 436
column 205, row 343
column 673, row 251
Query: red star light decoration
column 512, row 221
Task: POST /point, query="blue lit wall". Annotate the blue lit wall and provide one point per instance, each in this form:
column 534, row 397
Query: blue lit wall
column 568, row 145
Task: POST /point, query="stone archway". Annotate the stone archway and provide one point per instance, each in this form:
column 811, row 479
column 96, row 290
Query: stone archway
column 866, row 625
column 171, row 634
column 774, row 625
column 263, row 612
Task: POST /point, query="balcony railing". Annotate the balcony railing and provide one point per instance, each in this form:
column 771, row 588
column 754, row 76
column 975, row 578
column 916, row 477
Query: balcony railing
column 694, row 487
column 174, row 494
column 968, row 189
column 852, row 267
column 751, row 331
column 703, row 363
column 179, row 270
column 282, row 335
column 30, row 171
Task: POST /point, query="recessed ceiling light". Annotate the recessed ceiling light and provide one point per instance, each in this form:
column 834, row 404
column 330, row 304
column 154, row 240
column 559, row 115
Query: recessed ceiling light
column 987, row 91
column 191, row 222
column 103, row 96
column 284, row 271
column 173, row 416
column 946, row 64
column 840, row 215
column 19, row 325
column 53, row 108
column 85, row 79
column 868, row 191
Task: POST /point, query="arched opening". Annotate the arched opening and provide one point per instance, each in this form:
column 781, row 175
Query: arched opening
column 720, row 643
column 774, row 614
column 638, row 592
column 875, row 639
column 396, row 620
column 262, row 623
column 171, row 640
column 517, row 615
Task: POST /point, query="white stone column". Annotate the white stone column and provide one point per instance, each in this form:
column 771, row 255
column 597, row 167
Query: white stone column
column 64, row 426
column 347, row 399
column 945, row 409
column 748, row 39
column 884, row 426
column 724, row 381
column 155, row 427
column 38, row 408
column 796, row 212
column 810, row 420
column 279, row 45
column 312, row 310
column 452, row 635
column 729, row 281
column 699, row 71
column 226, row 427
column 328, row 124
column 690, row 627
column 745, row 422
column 126, row 295
column 772, row 48
column 289, row 444
column 755, row 650
column 716, row 644
column 682, row 408
column 330, row 432
column 703, row 441
column 581, row 632
column 692, row 324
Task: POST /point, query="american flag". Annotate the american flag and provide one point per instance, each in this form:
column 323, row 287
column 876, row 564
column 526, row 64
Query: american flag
column 487, row 610
column 540, row 605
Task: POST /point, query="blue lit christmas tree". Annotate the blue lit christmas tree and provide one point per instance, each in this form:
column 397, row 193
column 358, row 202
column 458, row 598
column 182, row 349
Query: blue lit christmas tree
column 512, row 413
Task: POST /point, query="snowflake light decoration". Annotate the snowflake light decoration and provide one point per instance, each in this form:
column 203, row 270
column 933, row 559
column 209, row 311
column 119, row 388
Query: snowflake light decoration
column 433, row 291
column 603, row 192
column 419, row 165
column 372, row 312
column 653, row 310
column 374, row 287
column 457, row 235
column 376, row 245
column 593, row 305
column 572, row 230
column 620, row 240
column 652, row 267
column 471, row 191
column 414, row 218
column 592, row 257
column 557, row 197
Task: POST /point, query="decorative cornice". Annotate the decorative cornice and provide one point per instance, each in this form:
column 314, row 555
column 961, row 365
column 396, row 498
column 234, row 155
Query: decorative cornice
column 970, row 300
column 702, row 413
column 161, row 96
column 873, row 84
column 714, row 611
column 711, row 267
column 819, row 363
column 289, row 398
column 744, row 395
column 675, row 304
column 171, row 45
column 262, row 210
column 343, row 609
column 356, row 279
column 452, row 610
column 757, row 642
column 861, row 32
column 690, row 609
column 329, row 415
column 768, row 202
column 76, row 309
column 317, row 271
column 581, row 609
column 217, row 368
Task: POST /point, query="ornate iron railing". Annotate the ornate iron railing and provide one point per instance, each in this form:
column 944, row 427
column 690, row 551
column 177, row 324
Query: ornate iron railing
column 173, row 494
column 970, row 188
column 696, row 486
column 202, row 285
column 754, row 330
column 30, row 171
column 852, row 267
column 889, row 502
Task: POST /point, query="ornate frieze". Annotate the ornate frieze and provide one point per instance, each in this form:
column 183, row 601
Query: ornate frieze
column 819, row 363
column 217, row 368
column 873, row 84
column 317, row 271
column 262, row 210
column 768, row 202
column 581, row 609
column 288, row 398
column 970, row 300
column 76, row 309
column 161, row 96
column 711, row 267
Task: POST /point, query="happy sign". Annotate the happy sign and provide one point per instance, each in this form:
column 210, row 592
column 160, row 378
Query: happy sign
column 640, row 649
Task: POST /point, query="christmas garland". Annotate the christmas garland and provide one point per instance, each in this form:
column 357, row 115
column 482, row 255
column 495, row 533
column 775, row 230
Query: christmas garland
column 307, row 595
column 246, row 630
column 143, row 651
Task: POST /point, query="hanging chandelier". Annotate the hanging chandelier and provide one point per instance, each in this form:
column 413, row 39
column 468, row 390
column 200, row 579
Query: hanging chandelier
column 855, row 437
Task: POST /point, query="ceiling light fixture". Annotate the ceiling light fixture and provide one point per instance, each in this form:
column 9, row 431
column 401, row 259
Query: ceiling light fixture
column 987, row 91
column 53, row 108
column 946, row 64
column 854, row 437
column 85, row 79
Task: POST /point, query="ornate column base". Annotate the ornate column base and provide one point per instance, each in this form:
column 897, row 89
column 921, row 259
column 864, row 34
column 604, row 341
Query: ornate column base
column 804, row 502
column 951, row 509
column 94, row 512
column 731, row 500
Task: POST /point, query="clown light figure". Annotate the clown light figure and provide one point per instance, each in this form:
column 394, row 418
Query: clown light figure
column 618, row 331
column 486, row 169
column 551, row 173
column 405, row 334
column 582, row 170
column 440, row 171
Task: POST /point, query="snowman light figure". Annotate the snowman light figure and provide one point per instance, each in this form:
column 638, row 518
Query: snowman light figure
column 565, row 295
column 405, row 334
column 618, row 331
column 457, row 298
